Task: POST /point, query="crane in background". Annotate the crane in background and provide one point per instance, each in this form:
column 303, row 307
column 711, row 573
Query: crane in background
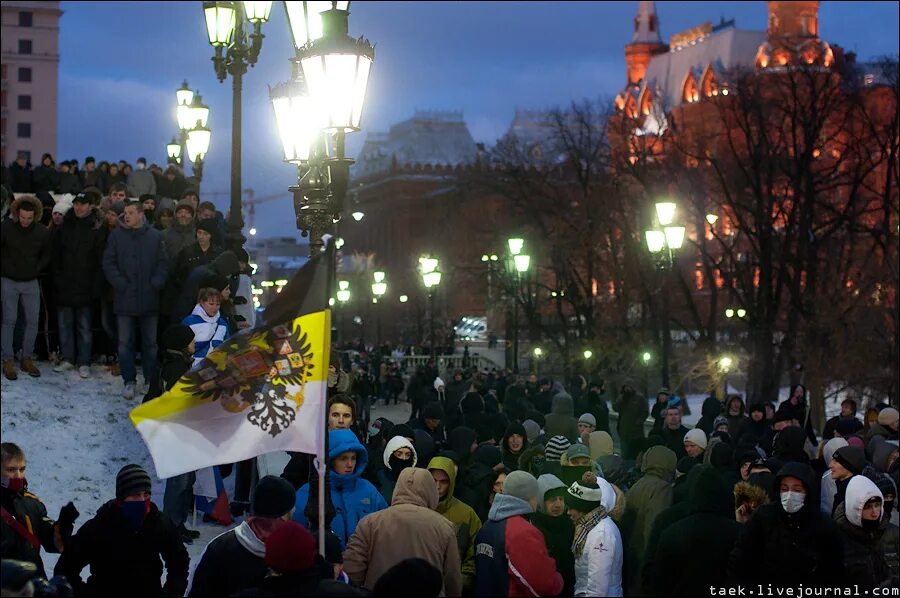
column 248, row 202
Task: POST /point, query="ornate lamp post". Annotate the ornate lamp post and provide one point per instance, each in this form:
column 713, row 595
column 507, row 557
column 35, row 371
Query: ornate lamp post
column 521, row 263
column 235, row 50
column 193, row 135
column 431, row 278
column 663, row 244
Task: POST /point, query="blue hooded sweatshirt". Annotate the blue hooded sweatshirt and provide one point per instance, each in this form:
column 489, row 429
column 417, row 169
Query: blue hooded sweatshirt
column 353, row 497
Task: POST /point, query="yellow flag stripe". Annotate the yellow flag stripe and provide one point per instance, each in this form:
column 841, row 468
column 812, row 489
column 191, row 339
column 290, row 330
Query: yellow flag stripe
column 316, row 326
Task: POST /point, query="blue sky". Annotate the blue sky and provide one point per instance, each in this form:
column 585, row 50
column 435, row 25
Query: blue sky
column 122, row 61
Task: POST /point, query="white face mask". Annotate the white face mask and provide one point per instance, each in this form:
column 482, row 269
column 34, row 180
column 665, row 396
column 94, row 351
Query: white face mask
column 792, row 501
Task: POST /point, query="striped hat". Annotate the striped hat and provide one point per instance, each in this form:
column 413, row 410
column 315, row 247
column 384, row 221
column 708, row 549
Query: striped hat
column 132, row 479
column 555, row 448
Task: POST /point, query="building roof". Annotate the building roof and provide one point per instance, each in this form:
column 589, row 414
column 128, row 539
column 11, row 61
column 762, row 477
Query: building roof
column 435, row 138
column 724, row 47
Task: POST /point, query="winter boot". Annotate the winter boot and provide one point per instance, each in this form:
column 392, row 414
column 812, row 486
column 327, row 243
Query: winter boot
column 27, row 366
column 9, row 369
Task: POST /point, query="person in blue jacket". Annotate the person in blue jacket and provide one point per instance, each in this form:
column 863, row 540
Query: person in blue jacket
column 352, row 496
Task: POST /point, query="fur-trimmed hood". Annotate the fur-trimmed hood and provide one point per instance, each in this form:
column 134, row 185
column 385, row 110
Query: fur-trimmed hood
column 38, row 207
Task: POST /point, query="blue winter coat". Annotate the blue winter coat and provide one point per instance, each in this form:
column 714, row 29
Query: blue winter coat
column 136, row 265
column 353, row 497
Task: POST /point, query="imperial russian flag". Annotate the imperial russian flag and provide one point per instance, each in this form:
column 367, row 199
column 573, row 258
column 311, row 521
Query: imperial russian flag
column 258, row 392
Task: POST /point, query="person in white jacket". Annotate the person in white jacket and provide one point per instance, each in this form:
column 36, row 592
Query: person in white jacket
column 829, row 488
column 597, row 546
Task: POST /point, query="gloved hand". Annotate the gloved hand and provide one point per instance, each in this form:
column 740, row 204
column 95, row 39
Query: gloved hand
column 66, row 520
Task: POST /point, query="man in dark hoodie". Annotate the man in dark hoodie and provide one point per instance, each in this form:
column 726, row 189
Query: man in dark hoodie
column 847, row 462
column 513, row 445
column 476, row 481
column 707, row 535
column 225, row 264
column 788, row 542
column 562, row 421
column 432, row 422
column 734, row 411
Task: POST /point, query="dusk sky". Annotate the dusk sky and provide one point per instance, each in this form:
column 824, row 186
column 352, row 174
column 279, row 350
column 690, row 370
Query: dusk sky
column 122, row 61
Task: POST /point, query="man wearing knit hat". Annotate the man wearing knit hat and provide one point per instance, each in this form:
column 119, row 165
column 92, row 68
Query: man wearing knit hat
column 235, row 560
column 290, row 555
column 511, row 556
column 587, row 423
column 597, row 546
column 847, row 461
column 695, row 444
column 889, row 418
column 125, row 544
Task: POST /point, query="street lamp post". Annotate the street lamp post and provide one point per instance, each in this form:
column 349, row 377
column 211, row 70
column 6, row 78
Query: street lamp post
column 725, row 363
column 193, row 135
column 235, row 51
column 343, row 296
column 379, row 288
column 521, row 263
column 663, row 244
column 431, row 278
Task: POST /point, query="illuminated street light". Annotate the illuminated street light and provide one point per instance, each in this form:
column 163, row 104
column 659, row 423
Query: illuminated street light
column 403, row 298
column 358, row 215
column 665, row 212
column 515, row 245
column 646, row 356
column 588, row 353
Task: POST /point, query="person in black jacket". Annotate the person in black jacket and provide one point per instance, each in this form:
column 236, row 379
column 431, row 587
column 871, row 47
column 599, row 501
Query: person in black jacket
column 123, row 545
column 20, row 175
column 25, row 526
column 672, row 432
column 235, row 560
column 25, row 254
column 788, row 542
column 44, row 177
column 632, row 410
column 68, row 180
column 707, row 537
column 797, row 406
column 77, row 277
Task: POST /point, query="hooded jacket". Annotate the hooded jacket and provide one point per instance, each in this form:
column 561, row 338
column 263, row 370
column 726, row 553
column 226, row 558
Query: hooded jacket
column 707, row 536
column 225, row 264
column 511, row 459
column 561, row 421
column 25, row 253
column 649, row 496
column 788, row 549
column 232, row 561
column 29, row 511
column 511, row 556
column 135, row 264
column 123, row 558
column 601, row 444
column 465, row 522
column 387, row 478
column 409, row 528
column 712, row 407
column 209, row 331
column 828, row 487
column 353, row 497
column 864, row 549
column 476, row 481
column 632, row 410
column 558, row 532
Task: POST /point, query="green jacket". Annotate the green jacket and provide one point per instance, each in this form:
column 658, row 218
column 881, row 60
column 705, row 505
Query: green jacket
column 463, row 518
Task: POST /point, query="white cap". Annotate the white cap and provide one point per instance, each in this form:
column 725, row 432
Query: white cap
column 697, row 436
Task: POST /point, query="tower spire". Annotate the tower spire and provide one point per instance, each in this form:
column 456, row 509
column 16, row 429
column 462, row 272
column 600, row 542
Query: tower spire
column 646, row 24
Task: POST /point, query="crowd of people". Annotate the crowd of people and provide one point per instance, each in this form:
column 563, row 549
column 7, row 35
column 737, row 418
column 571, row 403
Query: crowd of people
column 129, row 252
column 512, row 486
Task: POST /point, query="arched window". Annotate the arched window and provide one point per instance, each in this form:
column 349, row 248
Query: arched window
column 708, row 84
column 691, row 92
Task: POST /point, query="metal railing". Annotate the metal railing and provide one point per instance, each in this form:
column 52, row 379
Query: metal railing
column 449, row 362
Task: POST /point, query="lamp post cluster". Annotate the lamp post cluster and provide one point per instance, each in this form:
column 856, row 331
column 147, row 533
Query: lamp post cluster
column 317, row 107
column 663, row 242
column 521, row 263
column 193, row 138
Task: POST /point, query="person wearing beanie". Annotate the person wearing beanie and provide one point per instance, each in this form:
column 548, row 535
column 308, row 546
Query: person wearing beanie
column 126, row 544
column 409, row 528
column 889, row 418
column 511, row 557
column 290, row 555
column 225, row 264
column 201, row 252
column 645, row 500
column 658, row 411
column 556, row 448
column 587, row 423
column 398, row 454
column 515, row 440
column 846, row 462
column 787, row 542
column 695, row 444
column 828, row 485
column 577, row 455
column 235, row 560
column 597, row 544
column 465, row 522
column 864, row 530
column 556, row 526
column 432, row 422
column 347, row 459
